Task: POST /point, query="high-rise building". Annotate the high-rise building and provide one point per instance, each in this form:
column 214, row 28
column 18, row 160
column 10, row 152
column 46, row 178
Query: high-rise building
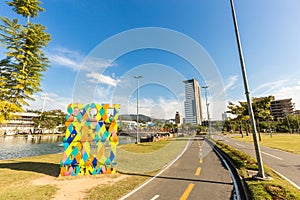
column 192, row 103
column 177, row 118
column 281, row 108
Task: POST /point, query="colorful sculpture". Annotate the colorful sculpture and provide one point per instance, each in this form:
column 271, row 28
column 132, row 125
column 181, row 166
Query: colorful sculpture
column 88, row 125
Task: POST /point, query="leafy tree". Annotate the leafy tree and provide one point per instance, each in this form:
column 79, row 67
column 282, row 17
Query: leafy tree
column 262, row 112
column 240, row 110
column 22, row 69
column 261, row 109
column 290, row 123
column 50, row 119
column 6, row 110
column 242, row 118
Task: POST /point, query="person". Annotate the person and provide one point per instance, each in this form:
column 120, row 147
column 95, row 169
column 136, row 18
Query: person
column 241, row 132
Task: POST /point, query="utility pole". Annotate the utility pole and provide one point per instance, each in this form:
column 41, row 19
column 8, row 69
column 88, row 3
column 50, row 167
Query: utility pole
column 298, row 130
column 43, row 108
column 137, row 108
column 207, row 109
column 261, row 173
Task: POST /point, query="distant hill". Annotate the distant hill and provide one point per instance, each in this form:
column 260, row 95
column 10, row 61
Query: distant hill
column 132, row 117
column 142, row 118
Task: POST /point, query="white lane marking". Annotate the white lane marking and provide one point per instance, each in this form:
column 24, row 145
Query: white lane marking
column 272, row 155
column 155, row 197
column 241, row 145
column 154, row 177
column 294, row 184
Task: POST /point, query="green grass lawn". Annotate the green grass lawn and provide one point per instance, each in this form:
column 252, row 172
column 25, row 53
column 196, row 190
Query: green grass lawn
column 145, row 147
column 138, row 162
column 277, row 188
column 285, row 142
column 16, row 175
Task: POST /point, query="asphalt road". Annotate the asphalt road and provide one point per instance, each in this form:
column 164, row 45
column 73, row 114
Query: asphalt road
column 287, row 164
column 197, row 174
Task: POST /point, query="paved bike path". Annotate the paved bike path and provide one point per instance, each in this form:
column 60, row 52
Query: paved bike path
column 197, row 174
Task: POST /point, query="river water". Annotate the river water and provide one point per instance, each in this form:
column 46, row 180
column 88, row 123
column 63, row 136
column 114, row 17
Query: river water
column 25, row 146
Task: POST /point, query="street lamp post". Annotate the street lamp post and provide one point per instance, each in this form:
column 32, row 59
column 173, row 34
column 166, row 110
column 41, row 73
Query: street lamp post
column 287, row 119
column 261, row 173
column 207, row 109
column 298, row 130
column 137, row 108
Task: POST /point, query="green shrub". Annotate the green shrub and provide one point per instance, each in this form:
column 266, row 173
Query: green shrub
column 278, row 188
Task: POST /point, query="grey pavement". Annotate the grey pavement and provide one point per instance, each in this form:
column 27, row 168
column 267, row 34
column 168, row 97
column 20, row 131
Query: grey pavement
column 285, row 163
column 195, row 175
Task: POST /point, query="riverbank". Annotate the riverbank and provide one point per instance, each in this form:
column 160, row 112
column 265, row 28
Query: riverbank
column 37, row 177
column 36, row 145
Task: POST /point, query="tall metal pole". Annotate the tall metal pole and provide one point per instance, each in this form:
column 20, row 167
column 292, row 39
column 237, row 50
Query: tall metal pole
column 261, row 172
column 298, row 123
column 287, row 119
column 207, row 110
column 137, row 108
column 43, row 108
column 297, row 117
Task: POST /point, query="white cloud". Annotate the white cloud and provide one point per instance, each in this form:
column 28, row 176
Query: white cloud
column 95, row 64
column 100, row 78
column 76, row 61
column 104, row 94
column 290, row 91
column 65, row 58
column 280, row 89
column 231, row 82
column 50, row 101
column 160, row 108
column 269, row 87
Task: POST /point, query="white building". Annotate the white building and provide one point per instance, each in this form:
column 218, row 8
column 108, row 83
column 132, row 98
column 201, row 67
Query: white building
column 225, row 116
column 129, row 124
column 192, row 103
column 22, row 123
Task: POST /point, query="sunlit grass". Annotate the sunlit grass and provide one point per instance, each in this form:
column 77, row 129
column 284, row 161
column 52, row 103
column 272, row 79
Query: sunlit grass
column 116, row 190
column 278, row 188
column 15, row 184
column 16, row 175
column 145, row 147
column 285, row 142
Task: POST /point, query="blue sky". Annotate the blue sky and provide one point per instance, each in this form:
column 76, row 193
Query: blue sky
column 269, row 34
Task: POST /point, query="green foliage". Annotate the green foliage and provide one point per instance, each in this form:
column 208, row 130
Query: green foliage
column 170, row 127
column 288, row 123
column 199, row 128
column 6, row 110
column 240, row 159
column 26, row 8
column 22, row 69
column 257, row 191
column 277, row 188
column 279, row 192
column 50, row 119
column 261, row 109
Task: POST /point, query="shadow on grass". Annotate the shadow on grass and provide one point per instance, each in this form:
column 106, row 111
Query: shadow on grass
column 38, row 167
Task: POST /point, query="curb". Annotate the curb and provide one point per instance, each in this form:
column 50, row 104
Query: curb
column 240, row 182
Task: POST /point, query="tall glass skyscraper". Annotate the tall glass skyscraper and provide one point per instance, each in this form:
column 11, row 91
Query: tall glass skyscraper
column 192, row 103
